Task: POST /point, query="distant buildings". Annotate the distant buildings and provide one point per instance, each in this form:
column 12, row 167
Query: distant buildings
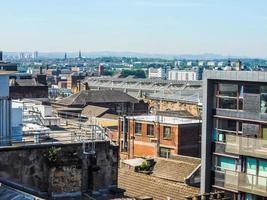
column 185, row 75
column 234, row 134
column 160, row 73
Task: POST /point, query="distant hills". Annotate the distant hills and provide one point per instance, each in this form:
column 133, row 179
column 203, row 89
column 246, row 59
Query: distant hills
column 205, row 56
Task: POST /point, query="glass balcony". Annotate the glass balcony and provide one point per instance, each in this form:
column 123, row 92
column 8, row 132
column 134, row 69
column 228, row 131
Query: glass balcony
column 246, row 182
column 253, row 147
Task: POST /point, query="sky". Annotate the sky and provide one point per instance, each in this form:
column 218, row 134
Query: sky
column 226, row 27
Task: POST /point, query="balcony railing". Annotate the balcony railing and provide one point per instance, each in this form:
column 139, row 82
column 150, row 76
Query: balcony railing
column 246, row 146
column 246, row 182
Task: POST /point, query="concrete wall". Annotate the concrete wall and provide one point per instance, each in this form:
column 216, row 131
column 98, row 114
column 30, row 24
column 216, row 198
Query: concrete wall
column 70, row 173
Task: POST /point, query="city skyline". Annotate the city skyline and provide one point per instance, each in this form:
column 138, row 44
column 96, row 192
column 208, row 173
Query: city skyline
column 229, row 28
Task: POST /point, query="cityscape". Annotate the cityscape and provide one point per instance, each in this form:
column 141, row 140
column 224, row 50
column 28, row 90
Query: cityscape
column 138, row 100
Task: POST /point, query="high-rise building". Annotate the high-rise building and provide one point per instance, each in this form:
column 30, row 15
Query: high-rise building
column 234, row 134
column 65, row 56
column 80, row 54
column 35, row 55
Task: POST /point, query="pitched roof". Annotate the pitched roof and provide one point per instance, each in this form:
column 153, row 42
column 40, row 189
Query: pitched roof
column 175, row 170
column 138, row 184
column 93, row 111
column 86, row 97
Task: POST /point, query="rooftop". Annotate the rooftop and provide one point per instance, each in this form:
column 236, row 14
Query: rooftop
column 138, row 184
column 164, row 119
column 86, row 97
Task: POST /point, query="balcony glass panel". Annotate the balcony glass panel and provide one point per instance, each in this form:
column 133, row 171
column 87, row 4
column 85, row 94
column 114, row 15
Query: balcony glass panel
column 253, row 147
column 246, row 182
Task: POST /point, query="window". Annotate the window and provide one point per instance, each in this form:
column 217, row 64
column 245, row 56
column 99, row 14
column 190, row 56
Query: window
column 226, row 103
column 138, row 128
column 166, row 132
column 227, row 125
column 225, row 163
column 263, row 98
column 229, row 90
column 165, row 152
column 150, row 130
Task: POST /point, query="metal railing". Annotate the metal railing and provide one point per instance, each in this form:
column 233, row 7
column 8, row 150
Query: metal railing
column 246, row 182
column 246, row 146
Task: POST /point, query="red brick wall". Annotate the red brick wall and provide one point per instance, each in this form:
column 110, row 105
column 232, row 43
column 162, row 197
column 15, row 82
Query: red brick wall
column 184, row 140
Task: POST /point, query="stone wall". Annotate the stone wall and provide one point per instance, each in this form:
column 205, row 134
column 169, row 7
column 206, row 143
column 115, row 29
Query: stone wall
column 63, row 171
column 174, row 106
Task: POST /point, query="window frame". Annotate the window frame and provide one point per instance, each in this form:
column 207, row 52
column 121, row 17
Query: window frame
column 135, row 128
column 169, row 134
column 150, row 129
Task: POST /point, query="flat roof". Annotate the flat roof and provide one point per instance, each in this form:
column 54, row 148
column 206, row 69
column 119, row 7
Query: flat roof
column 165, row 119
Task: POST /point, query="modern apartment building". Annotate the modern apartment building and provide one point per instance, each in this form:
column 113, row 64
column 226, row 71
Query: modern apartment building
column 160, row 73
column 234, row 134
column 185, row 75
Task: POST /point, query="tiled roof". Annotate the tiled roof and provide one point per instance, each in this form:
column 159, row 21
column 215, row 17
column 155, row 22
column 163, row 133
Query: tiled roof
column 174, row 170
column 97, row 96
column 138, row 184
column 93, row 111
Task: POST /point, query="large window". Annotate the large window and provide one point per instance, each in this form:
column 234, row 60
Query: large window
column 225, row 163
column 227, row 124
column 227, row 103
column 138, row 128
column 165, row 152
column 150, row 130
column 166, row 132
column 229, row 90
column 263, row 99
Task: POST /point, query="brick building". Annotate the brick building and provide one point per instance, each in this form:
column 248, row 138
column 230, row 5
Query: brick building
column 159, row 136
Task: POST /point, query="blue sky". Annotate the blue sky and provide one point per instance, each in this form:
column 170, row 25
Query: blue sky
column 227, row 27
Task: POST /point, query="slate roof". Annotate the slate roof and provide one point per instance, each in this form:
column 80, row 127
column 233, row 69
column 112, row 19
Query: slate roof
column 175, row 170
column 93, row 111
column 86, row 97
column 138, row 184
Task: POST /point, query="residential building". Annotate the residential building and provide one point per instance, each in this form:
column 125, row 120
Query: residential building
column 183, row 75
column 159, row 136
column 234, row 139
column 160, row 73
